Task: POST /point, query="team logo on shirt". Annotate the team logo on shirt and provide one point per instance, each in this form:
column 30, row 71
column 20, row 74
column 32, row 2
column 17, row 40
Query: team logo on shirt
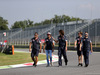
column 59, row 38
column 78, row 42
column 33, row 40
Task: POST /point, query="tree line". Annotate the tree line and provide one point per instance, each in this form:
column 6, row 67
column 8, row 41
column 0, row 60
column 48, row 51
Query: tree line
column 28, row 23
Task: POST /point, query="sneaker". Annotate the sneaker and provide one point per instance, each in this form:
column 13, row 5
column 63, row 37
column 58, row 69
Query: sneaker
column 86, row 65
column 47, row 65
column 34, row 64
column 51, row 64
column 66, row 63
column 59, row 65
column 81, row 64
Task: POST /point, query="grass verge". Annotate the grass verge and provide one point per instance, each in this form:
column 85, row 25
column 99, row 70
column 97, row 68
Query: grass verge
column 17, row 58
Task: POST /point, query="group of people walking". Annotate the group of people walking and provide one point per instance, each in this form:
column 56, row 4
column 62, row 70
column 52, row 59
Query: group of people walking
column 83, row 45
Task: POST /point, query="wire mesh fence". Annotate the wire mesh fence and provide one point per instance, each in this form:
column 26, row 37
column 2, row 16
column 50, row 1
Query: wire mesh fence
column 22, row 37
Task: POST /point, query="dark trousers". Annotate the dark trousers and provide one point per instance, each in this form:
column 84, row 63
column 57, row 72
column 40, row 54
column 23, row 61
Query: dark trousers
column 62, row 51
column 86, row 57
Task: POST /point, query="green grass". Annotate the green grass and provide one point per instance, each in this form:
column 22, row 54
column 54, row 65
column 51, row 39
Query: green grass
column 17, row 58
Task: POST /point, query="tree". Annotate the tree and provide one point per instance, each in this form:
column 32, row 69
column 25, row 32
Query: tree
column 66, row 18
column 22, row 24
column 3, row 24
column 75, row 19
column 37, row 24
column 29, row 23
column 56, row 19
column 46, row 21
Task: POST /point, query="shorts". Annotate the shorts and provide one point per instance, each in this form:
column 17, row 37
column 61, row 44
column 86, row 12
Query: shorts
column 35, row 53
column 79, row 53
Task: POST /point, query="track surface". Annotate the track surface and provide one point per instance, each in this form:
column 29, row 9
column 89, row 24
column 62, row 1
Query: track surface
column 71, row 69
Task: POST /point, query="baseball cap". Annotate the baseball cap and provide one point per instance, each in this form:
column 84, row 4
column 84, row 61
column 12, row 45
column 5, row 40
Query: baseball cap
column 48, row 33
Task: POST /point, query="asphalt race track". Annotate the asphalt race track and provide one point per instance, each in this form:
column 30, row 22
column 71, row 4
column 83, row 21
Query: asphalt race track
column 70, row 69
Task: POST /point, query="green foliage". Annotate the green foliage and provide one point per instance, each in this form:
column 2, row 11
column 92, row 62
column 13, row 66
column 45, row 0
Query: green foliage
column 3, row 24
column 46, row 21
column 37, row 24
column 64, row 18
column 56, row 19
column 22, row 24
column 28, row 23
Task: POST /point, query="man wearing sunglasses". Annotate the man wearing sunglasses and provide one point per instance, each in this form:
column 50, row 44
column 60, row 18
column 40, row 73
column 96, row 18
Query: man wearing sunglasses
column 36, row 47
column 87, row 46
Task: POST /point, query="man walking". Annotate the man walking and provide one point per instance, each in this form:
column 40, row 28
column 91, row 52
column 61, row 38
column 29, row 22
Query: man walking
column 48, row 47
column 87, row 46
column 62, row 40
column 78, row 41
column 36, row 47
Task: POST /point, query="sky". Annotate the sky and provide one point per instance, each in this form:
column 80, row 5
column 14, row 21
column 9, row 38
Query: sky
column 39, row 10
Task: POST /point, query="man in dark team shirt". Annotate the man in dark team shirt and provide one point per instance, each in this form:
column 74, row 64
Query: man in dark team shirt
column 48, row 47
column 87, row 46
column 36, row 47
column 79, row 46
column 62, row 47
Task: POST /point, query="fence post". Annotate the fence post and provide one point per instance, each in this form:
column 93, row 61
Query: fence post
column 64, row 27
column 88, row 29
column 69, row 36
column 59, row 27
column 54, row 32
column 11, row 38
column 28, row 42
column 20, row 38
column 95, row 32
column 75, row 29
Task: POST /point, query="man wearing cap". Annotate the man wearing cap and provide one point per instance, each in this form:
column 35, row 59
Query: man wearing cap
column 62, row 47
column 48, row 47
column 87, row 46
column 36, row 47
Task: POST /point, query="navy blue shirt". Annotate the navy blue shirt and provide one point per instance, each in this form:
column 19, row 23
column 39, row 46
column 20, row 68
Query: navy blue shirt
column 79, row 41
column 62, row 41
column 49, row 43
column 35, row 44
column 86, row 44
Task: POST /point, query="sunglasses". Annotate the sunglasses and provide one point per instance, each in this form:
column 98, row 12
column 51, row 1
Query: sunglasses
column 86, row 34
